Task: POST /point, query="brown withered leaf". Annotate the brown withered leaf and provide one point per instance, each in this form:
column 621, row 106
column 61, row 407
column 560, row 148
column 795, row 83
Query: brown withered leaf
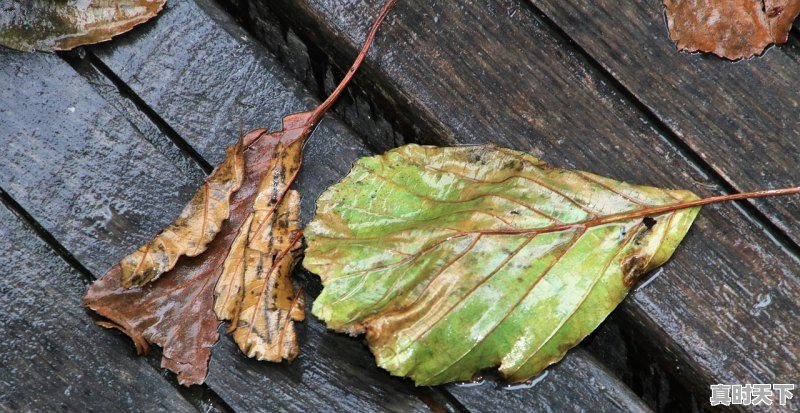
column 255, row 290
column 730, row 29
column 194, row 229
column 176, row 311
column 62, row 25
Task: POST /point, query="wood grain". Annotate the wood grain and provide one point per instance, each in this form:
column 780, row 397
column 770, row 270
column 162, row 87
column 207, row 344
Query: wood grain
column 723, row 309
column 60, row 136
column 52, row 356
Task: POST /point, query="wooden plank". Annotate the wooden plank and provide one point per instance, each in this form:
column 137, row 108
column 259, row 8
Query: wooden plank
column 584, row 372
column 51, row 355
column 55, row 118
column 229, row 92
column 328, row 155
column 631, row 359
column 723, row 309
column 92, row 180
column 742, row 118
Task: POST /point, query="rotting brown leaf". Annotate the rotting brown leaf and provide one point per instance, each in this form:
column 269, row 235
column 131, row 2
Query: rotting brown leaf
column 176, row 311
column 255, row 290
column 730, row 29
column 63, row 25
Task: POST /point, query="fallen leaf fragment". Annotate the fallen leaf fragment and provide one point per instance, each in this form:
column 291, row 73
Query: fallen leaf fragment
column 454, row 260
column 255, row 290
column 176, row 311
column 63, row 25
column 730, row 29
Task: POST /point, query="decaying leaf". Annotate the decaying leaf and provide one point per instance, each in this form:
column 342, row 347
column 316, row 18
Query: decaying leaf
column 454, row 260
column 65, row 24
column 255, row 290
column 176, row 311
column 730, row 29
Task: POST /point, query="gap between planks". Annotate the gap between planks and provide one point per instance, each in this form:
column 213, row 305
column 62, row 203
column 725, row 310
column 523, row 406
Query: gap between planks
column 89, row 66
column 200, row 397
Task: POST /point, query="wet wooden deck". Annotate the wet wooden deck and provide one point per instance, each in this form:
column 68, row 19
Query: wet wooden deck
column 103, row 146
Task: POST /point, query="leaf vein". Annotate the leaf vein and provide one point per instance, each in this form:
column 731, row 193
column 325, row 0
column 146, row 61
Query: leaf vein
column 583, row 299
column 511, row 310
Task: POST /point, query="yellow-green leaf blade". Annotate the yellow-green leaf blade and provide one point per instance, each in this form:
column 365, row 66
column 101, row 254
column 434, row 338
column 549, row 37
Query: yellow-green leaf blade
column 455, row 260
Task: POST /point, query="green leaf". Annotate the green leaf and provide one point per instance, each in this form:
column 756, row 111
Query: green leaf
column 455, row 260
column 65, row 24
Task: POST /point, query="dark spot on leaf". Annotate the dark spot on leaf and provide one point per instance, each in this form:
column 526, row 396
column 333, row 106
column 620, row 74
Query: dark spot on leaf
column 649, row 222
column 632, row 269
column 513, row 165
column 775, row 12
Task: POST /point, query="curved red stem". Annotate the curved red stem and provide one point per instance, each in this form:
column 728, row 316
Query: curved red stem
column 320, row 111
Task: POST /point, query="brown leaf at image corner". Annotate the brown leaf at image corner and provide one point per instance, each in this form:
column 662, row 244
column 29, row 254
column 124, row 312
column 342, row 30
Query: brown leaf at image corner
column 63, row 25
column 176, row 310
column 730, row 29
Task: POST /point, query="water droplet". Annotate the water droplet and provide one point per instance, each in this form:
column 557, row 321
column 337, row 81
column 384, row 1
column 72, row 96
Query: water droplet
column 764, row 300
column 527, row 384
column 478, row 381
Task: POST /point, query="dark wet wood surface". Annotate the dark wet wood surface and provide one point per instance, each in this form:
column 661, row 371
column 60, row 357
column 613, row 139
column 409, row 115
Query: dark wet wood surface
column 52, row 356
column 102, row 147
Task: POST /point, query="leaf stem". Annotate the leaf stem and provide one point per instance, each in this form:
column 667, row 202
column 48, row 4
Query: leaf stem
column 320, row 111
column 642, row 213
column 699, row 202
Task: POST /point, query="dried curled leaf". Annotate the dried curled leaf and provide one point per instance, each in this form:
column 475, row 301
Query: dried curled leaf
column 176, row 311
column 730, row 29
column 454, row 260
column 63, row 25
column 194, row 229
column 255, row 290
